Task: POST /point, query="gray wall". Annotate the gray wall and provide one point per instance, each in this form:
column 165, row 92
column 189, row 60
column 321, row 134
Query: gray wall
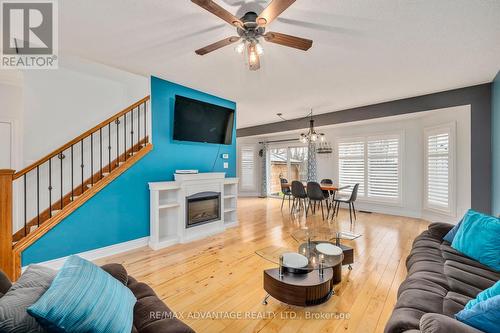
column 478, row 97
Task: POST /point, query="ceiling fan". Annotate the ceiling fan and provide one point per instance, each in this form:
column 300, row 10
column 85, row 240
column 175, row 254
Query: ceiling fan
column 250, row 28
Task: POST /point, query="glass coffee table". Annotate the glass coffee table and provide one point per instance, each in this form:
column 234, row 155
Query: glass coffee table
column 328, row 234
column 304, row 277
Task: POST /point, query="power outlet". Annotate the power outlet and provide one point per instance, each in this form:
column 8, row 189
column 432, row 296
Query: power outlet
column 225, row 156
column 226, row 165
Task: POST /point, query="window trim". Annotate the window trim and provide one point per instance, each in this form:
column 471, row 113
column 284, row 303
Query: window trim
column 400, row 134
column 254, row 186
column 450, row 128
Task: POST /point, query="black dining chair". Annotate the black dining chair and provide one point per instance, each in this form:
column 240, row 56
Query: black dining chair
column 327, row 193
column 348, row 200
column 315, row 195
column 287, row 192
column 299, row 194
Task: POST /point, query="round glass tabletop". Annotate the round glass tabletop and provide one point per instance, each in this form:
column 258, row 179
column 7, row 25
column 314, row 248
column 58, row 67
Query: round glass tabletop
column 309, row 256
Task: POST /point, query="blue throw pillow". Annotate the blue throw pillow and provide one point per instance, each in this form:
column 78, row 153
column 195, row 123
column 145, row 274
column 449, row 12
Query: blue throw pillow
column 484, row 316
column 84, row 298
column 451, row 234
column 478, row 237
column 484, row 295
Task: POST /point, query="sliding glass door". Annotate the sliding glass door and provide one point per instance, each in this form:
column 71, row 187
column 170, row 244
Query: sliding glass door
column 286, row 162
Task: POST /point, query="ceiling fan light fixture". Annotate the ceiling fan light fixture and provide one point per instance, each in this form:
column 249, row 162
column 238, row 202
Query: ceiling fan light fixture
column 240, row 48
column 259, row 49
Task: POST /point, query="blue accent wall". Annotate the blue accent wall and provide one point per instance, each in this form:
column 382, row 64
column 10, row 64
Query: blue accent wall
column 120, row 212
column 495, row 145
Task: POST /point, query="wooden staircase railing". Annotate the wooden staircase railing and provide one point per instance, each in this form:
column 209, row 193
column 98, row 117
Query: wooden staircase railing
column 44, row 193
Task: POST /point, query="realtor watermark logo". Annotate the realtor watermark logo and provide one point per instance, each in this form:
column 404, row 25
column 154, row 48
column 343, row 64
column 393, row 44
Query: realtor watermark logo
column 29, row 34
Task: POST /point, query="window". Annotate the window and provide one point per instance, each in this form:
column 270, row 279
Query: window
column 383, row 168
column 439, row 169
column 247, row 169
column 374, row 163
column 352, row 164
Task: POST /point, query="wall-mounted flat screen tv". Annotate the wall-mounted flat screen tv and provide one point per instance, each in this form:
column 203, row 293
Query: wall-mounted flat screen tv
column 202, row 122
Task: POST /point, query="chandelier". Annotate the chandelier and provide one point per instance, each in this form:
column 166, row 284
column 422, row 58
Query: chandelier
column 311, row 135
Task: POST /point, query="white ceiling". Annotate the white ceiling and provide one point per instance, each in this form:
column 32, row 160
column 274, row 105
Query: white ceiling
column 364, row 51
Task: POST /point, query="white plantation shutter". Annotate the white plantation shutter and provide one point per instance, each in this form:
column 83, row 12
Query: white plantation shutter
column 352, row 164
column 383, row 167
column 247, row 166
column 438, row 169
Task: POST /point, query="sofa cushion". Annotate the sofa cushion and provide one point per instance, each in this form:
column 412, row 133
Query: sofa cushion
column 437, row 323
column 32, row 284
column 5, row 283
column 478, row 238
column 453, row 303
column 151, row 314
column 84, row 298
column 419, row 285
column 117, row 271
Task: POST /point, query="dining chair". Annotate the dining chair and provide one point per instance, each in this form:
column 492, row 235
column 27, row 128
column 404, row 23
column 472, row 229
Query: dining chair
column 315, row 195
column 287, row 192
column 299, row 195
column 327, row 193
column 348, row 200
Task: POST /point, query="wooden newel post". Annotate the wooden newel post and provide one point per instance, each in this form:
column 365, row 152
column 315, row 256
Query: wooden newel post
column 6, row 253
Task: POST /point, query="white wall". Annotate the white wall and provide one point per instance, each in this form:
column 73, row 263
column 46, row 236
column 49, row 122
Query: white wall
column 61, row 104
column 51, row 107
column 11, row 113
column 412, row 128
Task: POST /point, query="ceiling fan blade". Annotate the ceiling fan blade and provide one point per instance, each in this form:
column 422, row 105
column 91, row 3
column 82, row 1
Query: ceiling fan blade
column 275, row 8
column 217, row 45
column 217, row 10
column 287, row 40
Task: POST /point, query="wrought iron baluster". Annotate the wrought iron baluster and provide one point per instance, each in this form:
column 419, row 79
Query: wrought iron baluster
column 109, row 147
column 37, row 196
column 72, row 174
column 117, row 142
column 100, row 149
column 61, row 157
column 132, row 131
column 81, row 163
column 145, row 123
column 92, row 159
column 139, row 125
column 25, row 203
column 50, row 187
column 125, row 136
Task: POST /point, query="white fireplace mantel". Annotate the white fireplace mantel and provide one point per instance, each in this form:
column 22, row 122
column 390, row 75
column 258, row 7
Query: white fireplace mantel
column 168, row 207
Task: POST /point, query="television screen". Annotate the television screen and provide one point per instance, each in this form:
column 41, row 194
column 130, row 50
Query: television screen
column 202, row 122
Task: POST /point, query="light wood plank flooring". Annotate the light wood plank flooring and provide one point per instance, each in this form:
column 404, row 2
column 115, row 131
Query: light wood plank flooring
column 222, row 274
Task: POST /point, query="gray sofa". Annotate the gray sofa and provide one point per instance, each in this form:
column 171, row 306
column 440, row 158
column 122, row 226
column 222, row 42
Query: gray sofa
column 151, row 315
column 440, row 282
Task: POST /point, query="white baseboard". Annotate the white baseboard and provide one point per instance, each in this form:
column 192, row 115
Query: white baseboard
column 100, row 252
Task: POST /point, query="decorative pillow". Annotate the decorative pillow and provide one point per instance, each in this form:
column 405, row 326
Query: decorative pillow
column 484, row 316
column 84, row 298
column 4, row 283
column 451, row 234
column 27, row 290
column 478, row 238
column 492, row 291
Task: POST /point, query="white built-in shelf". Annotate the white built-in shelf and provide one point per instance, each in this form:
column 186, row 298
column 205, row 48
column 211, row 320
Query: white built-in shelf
column 168, row 212
column 169, row 205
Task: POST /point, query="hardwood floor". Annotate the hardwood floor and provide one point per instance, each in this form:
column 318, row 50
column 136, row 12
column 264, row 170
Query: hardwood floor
column 222, row 276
